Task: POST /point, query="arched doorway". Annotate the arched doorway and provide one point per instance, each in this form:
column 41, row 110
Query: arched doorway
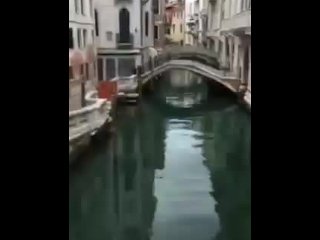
column 124, row 25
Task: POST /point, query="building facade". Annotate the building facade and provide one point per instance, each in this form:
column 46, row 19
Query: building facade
column 159, row 27
column 82, row 51
column 192, row 22
column 235, row 31
column 124, row 34
column 175, row 22
column 223, row 26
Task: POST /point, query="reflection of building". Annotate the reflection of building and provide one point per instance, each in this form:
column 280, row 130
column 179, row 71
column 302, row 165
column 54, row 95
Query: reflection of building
column 124, row 32
column 228, row 159
column 182, row 78
column 138, row 157
column 185, row 89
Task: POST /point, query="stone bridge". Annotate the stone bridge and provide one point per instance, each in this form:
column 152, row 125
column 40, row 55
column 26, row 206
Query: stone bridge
column 222, row 77
column 196, row 59
column 198, row 53
column 130, row 84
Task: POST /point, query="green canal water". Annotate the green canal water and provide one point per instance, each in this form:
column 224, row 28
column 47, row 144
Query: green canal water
column 174, row 167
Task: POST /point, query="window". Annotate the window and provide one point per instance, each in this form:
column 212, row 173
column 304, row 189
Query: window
column 84, row 38
column 156, row 6
column 70, row 38
column 76, row 6
column 168, row 30
column 124, row 26
column 147, row 23
column 173, row 28
column 110, row 68
column 100, row 69
column 181, row 28
column 156, row 32
column 126, row 66
column 82, row 7
column 97, row 21
column 109, row 36
column 79, row 37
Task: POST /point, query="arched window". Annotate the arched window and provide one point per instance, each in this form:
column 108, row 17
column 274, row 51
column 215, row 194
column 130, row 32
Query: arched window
column 146, row 23
column 124, row 25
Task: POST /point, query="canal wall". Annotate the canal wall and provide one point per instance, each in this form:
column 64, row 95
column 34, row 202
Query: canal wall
column 86, row 122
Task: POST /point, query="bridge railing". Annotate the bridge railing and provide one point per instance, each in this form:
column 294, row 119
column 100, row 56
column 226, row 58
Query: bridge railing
column 90, row 118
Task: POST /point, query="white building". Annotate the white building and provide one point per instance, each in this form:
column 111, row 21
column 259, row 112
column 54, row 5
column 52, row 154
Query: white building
column 82, row 53
column 81, row 29
column 191, row 22
column 124, row 33
column 235, row 31
column 224, row 26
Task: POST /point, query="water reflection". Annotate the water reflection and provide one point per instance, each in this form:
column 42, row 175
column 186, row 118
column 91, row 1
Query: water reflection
column 165, row 177
column 183, row 89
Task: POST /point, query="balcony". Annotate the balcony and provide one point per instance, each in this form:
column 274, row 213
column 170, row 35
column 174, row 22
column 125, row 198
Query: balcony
column 124, row 44
column 240, row 21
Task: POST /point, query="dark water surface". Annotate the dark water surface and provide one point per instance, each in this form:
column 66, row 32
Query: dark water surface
column 176, row 167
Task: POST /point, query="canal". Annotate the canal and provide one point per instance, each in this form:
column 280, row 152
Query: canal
column 174, row 167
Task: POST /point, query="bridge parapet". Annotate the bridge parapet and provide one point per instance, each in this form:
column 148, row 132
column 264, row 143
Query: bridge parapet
column 200, row 53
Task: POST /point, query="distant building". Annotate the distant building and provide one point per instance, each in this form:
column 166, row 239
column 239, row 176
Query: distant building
column 159, row 21
column 175, row 19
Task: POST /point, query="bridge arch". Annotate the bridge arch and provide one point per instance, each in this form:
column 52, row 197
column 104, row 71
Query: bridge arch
column 219, row 76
